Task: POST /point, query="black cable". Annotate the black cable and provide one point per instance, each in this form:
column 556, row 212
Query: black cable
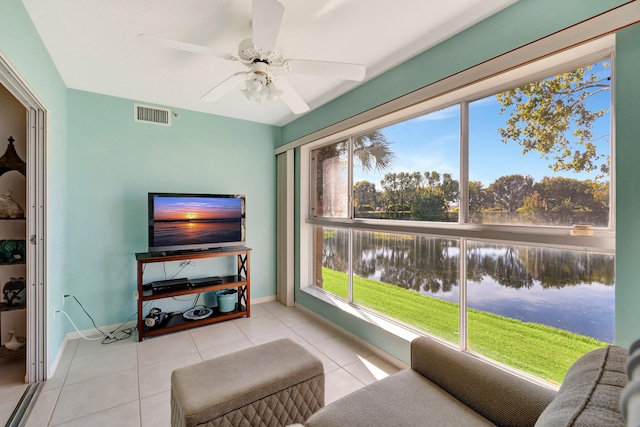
column 92, row 321
column 110, row 338
column 195, row 303
column 127, row 331
column 125, row 322
column 127, row 334
column 184, row 300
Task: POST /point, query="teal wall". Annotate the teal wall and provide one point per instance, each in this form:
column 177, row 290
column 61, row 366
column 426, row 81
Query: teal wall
column 21, row 45
column 113, row 162
column 101, row 166
column 519, row 24
column 627, row 96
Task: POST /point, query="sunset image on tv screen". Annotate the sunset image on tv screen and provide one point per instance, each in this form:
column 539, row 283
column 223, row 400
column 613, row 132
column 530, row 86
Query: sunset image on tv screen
column 196, row 220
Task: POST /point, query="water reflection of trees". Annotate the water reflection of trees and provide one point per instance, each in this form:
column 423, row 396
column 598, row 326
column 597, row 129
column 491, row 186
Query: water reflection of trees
column 502, row 264
column 429, row 264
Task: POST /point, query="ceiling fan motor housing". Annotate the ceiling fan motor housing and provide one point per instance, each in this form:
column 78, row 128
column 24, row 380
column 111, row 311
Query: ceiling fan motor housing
column 248, row 53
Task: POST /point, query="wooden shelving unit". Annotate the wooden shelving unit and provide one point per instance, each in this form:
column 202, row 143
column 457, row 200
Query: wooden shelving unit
column 240, row 281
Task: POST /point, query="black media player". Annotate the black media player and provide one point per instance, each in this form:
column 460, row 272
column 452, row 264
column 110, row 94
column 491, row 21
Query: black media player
column 205, row 281
column 170, row 285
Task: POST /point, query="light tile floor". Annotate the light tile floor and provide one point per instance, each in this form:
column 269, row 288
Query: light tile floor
column 127, row 383
column 12, row 385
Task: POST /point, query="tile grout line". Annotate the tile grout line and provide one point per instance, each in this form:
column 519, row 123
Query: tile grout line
column 64, row 380
column 287, row 330
column 138, row 382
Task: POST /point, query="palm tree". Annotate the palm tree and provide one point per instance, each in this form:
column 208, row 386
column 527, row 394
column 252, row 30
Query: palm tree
column 372, row 152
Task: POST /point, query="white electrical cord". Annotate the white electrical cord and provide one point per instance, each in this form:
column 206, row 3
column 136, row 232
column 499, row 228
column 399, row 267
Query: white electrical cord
column 78, row 330
column 183, row 265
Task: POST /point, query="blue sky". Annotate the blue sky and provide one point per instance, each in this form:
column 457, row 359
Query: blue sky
column 431, row 142
column 166, row 208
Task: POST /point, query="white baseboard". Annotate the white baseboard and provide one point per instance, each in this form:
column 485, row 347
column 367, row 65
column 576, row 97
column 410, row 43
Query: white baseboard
column 54, row 364
column 70, row 336
column 91, row 333
column 263, row 299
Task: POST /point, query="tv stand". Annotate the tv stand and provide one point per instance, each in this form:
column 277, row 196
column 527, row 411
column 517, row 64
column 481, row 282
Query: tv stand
column 198, row 251
column 240, row 281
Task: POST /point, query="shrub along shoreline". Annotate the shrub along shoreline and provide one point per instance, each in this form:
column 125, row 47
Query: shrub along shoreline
column 540, row 350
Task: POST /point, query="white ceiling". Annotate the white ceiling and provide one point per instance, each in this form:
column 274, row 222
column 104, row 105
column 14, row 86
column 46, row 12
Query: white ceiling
column 95, row 47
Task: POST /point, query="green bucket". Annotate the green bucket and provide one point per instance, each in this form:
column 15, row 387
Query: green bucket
column 227, row 300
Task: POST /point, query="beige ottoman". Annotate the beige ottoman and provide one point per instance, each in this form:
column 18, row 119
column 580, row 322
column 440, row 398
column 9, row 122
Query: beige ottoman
column 273, row 384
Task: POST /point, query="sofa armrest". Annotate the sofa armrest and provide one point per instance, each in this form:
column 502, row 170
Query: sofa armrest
column 502, row 397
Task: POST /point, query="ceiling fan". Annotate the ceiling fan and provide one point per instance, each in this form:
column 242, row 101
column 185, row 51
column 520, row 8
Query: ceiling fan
column 263, row 79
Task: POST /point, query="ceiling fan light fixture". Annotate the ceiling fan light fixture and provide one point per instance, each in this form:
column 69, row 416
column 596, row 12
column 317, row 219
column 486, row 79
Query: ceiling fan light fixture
column 250, row 96
column 273, row 92
column 255, row 84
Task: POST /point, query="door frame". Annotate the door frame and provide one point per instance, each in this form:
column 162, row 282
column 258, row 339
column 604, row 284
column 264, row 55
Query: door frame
column 37, row 131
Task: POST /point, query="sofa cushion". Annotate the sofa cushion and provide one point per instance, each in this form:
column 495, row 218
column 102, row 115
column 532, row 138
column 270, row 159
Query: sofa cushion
column 590, row 392
column 404, row 399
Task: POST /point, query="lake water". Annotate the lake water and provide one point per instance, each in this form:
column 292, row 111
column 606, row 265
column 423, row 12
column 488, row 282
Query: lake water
column 170, row 233
column 569, row 290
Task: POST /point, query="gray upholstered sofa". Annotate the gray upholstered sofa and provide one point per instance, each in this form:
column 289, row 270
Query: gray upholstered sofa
column 445, row 387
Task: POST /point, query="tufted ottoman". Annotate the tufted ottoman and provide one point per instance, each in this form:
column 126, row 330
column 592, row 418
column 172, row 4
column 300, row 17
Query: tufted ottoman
column 273, row 384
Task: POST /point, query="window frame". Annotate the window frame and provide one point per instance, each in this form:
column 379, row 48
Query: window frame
column 602, row 241
column 556, row 235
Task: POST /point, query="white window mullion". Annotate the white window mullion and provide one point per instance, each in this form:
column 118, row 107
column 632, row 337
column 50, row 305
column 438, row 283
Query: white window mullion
column 463, row 194
column 463, row 217
column 350, row 265
column 350, row 202
column 612, row 145
column 350, row 192
column 462, row 277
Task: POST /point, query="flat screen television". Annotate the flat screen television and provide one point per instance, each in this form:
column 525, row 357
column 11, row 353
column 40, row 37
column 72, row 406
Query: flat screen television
column 180, row 221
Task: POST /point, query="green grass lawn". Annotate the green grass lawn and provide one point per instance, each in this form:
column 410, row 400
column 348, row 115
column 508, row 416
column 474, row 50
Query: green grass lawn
column 543, row 351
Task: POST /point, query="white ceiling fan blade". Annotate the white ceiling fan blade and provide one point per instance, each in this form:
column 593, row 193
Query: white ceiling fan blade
column 290, row 97
column 339, row 70
column 267, row 15
column 223, row 88
column 187, row 47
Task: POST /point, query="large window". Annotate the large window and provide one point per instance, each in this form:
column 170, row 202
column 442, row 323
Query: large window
column 393, row 272
column 484, row 221
column 539, row 154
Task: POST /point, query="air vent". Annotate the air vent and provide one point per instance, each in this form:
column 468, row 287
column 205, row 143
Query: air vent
column 153, row 115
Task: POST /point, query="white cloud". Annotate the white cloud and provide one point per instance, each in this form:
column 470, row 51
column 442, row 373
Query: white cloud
column 443, row 114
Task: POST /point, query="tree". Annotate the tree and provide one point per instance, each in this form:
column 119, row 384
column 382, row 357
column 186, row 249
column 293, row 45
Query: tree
column 533, row 209
column 429, row 205
column 510, row 191
column 479, row 198
column 552, row 117
column 570, row 201
column 372, row 152
column 450, row 188
column 425, row 199
column 399, row 192
column 365, row 194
